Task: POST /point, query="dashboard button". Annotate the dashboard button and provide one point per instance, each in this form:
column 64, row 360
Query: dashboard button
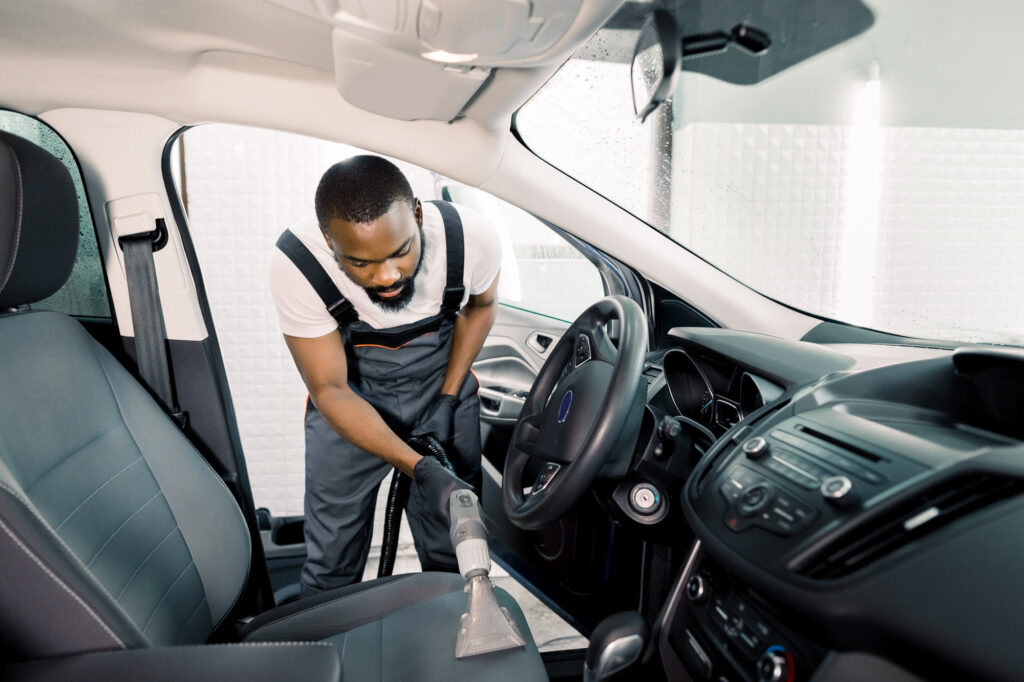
column 697, row 589
column 756, row 498
column 731, row 490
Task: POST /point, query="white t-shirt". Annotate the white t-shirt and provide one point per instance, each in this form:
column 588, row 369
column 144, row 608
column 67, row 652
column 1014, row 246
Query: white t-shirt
column 302, row 313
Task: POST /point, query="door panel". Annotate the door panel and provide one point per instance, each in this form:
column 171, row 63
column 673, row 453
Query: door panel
column 506, row 368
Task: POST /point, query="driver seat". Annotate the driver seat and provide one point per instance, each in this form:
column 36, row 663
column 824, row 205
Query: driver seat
column 114, row 531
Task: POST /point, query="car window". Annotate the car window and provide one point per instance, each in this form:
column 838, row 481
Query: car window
column 540, row 271
column 85, row 292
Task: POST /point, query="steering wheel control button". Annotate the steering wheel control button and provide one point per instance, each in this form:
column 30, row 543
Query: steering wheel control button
column 697, row 589
column 544, row 477
column 755, row 498
column 756, row 447
column 838, row 491
column 582, row 352
column 644, row 498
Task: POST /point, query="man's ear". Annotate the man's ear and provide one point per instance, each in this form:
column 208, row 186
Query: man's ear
column 417, row 212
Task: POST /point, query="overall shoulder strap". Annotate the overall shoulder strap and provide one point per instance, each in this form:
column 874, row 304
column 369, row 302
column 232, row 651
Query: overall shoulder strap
column 337, row 305
column 455, row 249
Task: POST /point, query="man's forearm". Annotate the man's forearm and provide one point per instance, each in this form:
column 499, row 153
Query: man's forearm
column 360, row 424
column 471, row 329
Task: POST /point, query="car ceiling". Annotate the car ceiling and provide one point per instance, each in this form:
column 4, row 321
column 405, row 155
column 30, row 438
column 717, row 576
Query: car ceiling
column 242, row 61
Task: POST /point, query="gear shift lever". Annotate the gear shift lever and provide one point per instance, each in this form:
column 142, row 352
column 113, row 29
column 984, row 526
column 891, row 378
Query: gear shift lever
column 616, row 643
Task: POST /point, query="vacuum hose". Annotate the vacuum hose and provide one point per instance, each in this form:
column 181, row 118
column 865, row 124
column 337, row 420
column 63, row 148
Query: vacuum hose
column 398, row 497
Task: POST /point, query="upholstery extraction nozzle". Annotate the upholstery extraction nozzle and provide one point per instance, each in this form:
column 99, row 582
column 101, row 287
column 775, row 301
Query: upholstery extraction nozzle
column 486, row 626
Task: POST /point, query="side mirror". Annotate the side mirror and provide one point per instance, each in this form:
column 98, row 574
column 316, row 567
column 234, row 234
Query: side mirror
column 655, row 65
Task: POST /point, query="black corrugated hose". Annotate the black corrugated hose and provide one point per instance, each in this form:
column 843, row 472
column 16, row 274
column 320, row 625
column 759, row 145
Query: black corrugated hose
column 398, row 496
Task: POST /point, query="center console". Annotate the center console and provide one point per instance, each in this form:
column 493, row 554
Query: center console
column 721, row 631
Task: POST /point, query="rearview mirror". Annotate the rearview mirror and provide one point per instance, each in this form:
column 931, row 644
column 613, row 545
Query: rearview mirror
column 655, row 65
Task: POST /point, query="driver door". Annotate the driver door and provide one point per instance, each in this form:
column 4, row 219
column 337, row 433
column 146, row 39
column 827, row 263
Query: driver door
column 547, row 279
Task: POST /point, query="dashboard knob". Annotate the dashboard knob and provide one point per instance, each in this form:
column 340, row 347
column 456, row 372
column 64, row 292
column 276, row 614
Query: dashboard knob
column 697, row 589
column 839, row 491
column 774, row 666
column 756, row 447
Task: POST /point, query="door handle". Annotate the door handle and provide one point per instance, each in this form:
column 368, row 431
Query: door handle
column 500, row 403
column 540, row 343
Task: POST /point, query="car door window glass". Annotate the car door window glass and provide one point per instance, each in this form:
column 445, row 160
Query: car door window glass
column 540, row 271
column 85, row 292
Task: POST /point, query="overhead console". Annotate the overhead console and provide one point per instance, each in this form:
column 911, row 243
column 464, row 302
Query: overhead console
column 877, row 511
column 427, row 59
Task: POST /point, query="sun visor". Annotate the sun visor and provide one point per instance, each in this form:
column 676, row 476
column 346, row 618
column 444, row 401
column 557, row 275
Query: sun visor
column 426, row 59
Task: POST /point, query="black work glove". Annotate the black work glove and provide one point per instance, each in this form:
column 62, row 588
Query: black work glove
column 432, row 487
column 438, row 419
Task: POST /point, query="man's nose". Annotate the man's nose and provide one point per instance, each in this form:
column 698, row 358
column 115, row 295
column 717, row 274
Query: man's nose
column 386, row 274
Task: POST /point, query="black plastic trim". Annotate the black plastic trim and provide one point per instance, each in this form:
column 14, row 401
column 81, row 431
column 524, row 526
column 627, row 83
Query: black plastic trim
column 257, row 594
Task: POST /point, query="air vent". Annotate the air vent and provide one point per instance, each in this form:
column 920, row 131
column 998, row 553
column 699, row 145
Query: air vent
column 651, row 373
column 920, row 516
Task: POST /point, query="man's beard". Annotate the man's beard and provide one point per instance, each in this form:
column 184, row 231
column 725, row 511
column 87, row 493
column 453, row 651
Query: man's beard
column 407, row 284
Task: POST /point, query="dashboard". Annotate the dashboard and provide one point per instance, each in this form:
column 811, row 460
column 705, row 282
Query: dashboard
column 853, row 512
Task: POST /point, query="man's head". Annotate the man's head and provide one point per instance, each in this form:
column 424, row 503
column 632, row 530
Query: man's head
column 374, row 225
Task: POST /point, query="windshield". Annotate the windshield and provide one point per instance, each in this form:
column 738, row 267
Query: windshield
column 868, row 167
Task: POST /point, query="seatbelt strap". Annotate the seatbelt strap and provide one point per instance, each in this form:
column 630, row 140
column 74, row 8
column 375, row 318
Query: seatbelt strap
column 338, row 306
column 455, row 253
column 148, row 320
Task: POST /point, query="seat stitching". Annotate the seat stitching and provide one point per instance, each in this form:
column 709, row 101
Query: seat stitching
column 66, row 457
column 118, row 530
column 326, row 603
column 216, row 476
column 183, row 627
column 95, row 492
column 163, row 598
column 143, row 563
column 61, row 583
column 60, row 541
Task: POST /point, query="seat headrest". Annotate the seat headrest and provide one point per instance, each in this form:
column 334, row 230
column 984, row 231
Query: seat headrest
column 38, row 222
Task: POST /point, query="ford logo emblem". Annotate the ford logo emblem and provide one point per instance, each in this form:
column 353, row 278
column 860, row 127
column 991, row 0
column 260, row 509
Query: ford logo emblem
column 563, row 409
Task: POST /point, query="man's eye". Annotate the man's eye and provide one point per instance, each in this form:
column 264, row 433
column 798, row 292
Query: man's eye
column 358, row 263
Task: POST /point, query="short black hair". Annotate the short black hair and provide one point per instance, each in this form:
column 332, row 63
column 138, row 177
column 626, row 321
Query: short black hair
column 360, row 189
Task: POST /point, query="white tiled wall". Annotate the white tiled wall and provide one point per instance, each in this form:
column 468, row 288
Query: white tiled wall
column 936, row 223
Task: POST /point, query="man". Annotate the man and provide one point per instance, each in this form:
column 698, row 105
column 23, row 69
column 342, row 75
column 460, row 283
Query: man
column 384, row 303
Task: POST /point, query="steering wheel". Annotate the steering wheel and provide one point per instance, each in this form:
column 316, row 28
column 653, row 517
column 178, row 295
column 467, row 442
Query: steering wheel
column 584, row 397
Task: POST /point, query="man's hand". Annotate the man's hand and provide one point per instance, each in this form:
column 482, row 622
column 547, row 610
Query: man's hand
column 438, row 419
column 432, row 487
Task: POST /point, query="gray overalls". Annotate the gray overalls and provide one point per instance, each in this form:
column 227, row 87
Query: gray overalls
column 399, row 371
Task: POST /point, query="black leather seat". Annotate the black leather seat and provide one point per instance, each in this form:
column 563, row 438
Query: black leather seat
column 114, row 531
